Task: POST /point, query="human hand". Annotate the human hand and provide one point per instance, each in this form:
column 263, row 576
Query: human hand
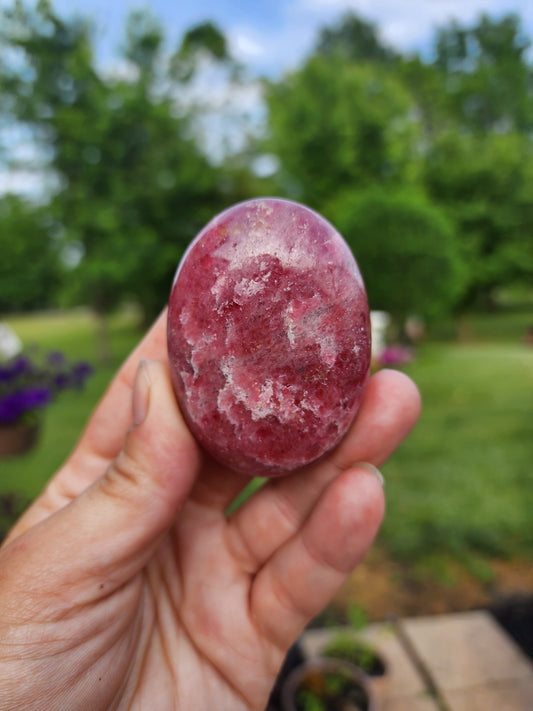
column 126, row 586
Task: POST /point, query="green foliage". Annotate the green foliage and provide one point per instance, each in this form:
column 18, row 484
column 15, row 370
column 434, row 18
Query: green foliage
column 29, row 260
column 357, row 617
column 336, row 124
column 486, row 183
column 426, row 86
column 406, row 249
column 330, row 690
column 134, row 187
column 308, row 701
column 349, row 648
column 144, row 39
column 458, row 129
column 486, row 74
column 202, row 40
column 354, row 39
column 205, row 36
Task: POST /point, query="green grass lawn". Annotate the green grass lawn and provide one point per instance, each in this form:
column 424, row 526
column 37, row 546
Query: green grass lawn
column 461, row 485
column 463, row 481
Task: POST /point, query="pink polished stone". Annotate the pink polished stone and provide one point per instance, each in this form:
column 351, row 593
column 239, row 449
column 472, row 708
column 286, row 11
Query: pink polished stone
column 268, row 336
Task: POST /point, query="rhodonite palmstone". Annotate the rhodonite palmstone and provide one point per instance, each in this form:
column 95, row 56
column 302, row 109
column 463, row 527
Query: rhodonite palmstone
column 268, row 337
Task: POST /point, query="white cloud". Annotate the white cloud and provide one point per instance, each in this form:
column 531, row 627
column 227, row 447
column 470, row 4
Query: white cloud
column 245, row 44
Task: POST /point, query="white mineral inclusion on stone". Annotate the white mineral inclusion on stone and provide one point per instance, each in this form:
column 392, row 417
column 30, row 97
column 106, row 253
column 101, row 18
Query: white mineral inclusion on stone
column 261, row 400
column 306, row 324
column 248, row 288
column 218, row 287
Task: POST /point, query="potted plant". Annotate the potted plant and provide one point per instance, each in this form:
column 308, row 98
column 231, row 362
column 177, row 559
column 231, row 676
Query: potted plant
column 350, row 648
column 327, row 685
column 29, row 382
column 357, row 645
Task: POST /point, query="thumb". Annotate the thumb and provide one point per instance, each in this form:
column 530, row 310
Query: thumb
column 111, row 530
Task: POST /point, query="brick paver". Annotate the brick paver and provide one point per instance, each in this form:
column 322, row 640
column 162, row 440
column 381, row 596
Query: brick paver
column 474, row 664
column 515, row 695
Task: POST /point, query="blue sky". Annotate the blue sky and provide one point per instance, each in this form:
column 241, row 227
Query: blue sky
column 273, row 35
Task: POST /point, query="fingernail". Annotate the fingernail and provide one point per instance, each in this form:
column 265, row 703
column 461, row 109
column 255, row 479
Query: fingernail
column 372, row 469
column 141, row 393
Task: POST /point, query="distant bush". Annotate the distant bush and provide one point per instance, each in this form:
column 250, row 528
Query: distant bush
column 406, row 248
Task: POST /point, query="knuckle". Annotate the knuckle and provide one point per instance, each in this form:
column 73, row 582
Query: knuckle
column 122, row 477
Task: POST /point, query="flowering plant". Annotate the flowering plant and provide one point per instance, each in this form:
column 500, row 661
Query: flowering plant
column 30, row 381
column 395, row 356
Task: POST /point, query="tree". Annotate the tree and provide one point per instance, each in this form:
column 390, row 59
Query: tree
column 30, row 269
column 134, row 187
column 488, row 80
column 203, row 39
column 486, row 183
column 406, row 249
column 334, row 124
column 354, row 39
column 427, row 90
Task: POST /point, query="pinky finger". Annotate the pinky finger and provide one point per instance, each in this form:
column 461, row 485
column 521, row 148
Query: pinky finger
column 304, row 575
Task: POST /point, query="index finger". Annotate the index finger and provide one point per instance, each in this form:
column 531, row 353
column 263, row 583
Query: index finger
column 105, row 431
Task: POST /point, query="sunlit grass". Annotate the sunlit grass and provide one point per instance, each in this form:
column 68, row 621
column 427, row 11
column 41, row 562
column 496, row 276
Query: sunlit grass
column 463, row 481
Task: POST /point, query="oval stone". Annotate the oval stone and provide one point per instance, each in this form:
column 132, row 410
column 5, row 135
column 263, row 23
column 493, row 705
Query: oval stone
column 268, row 337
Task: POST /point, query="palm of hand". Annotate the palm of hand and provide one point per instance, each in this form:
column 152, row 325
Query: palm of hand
column 183, row 635
column 198, row 643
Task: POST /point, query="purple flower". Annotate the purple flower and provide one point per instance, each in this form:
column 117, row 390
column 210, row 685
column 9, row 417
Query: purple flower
column 14, row 369
column 56, row 359
column 80, row 372
column 395, row 356
column 32, row 381
column 21, row 366
column 61, row 381
column 16, row 404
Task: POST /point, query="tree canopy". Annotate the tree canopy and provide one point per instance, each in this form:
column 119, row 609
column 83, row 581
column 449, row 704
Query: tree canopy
column 336, row 124
column 430, row 157
column 134, row 186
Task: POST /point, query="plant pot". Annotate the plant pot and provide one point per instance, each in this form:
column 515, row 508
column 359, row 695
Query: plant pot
column 18, row 438
column 363, row 655
column 327, row 685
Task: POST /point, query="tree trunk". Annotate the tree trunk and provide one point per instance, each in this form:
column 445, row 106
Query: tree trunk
column 103, row 340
